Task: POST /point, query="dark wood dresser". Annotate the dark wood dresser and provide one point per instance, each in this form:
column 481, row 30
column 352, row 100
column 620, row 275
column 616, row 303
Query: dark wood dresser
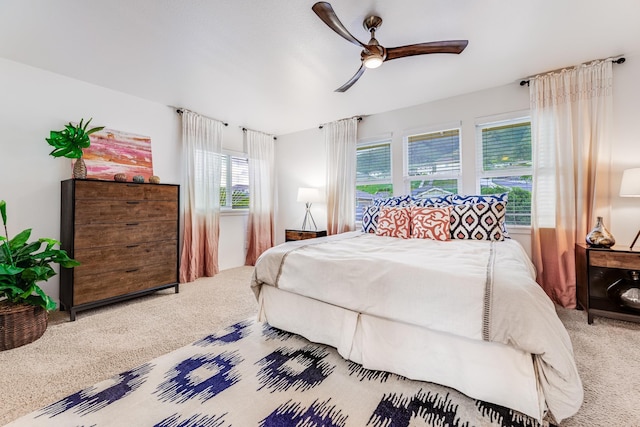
column 598, row 273
column 125, row 236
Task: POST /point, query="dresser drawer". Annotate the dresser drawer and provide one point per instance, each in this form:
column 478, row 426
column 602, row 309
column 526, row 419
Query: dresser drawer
column 116, row 283
column 95, row 260
column 94, row 190
column 103, row 211
column 93, row 235
column 290, row 235
column 607, row 259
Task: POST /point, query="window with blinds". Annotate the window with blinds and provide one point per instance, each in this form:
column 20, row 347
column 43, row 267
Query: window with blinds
column 432, row 163
column 505, row 165
column 373, row 174
column 234, row 182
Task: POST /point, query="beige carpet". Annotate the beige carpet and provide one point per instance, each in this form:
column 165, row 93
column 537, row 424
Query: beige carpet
column 107, row 341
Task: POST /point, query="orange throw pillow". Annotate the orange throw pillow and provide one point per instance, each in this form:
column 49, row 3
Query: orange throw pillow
column 431, row 223
column 394, row 222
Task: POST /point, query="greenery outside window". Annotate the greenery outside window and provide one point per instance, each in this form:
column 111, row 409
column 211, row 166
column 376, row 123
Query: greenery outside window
column 432, row 163
column 505, row 165
column 373, row 174
column 234, row 182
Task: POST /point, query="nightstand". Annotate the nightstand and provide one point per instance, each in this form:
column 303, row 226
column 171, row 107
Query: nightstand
column 290, row 235
column 597, row 269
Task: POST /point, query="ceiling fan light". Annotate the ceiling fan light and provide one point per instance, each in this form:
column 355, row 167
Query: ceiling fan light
column 373, row 61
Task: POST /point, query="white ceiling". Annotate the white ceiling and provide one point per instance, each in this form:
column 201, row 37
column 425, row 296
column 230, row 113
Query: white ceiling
column 272, row 65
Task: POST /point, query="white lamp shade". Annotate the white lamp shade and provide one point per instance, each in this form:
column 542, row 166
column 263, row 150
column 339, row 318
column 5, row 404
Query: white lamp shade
column 630, row 186
column 309, row 195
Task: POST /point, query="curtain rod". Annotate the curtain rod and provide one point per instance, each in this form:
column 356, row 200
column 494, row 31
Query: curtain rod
column 321, row 126
column 244, row 129
column 619, row 60
column 180, row 110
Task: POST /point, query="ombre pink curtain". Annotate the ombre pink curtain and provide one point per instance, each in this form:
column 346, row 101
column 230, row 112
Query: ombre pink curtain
column 571, row 113
column 202, row 143
column 341, row 139
column 260, row 231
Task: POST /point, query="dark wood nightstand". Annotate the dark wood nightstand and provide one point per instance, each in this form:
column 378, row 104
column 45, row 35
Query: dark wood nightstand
column 597, row 269
column 290, row 235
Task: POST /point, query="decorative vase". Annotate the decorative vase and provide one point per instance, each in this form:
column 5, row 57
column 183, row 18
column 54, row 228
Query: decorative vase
column 600, row 237
column 138, row 178
column 120, row 177
column 20, row 324
column 79, row 169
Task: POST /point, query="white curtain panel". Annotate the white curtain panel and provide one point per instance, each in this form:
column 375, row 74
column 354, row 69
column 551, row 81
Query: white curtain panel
column 202, row 144
column 260, row 232
column 340, row 139
column 571, row 115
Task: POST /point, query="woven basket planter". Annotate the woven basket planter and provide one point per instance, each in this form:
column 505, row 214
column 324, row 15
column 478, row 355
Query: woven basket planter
column 20, row 324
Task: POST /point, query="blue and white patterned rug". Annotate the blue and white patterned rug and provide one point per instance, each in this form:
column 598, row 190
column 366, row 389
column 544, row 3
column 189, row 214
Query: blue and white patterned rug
column 253, row 375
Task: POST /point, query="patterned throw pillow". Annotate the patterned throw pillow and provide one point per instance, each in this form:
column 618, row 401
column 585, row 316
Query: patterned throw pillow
column 394, row 222
column 431, row 223
column 460, row 199
column 396, row 201
column 433, row 201
column 482, row 221
column 370, row 219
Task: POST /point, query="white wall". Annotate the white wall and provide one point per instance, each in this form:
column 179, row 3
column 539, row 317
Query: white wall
column 300, row 156
column 34, row 102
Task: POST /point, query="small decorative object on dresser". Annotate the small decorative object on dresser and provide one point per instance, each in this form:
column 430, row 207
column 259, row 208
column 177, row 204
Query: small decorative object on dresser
column 607, row 282
column 154, row 179
column 599, row 236
column 138, row 179
column 125, row 236
column 120, row 177
column 290, row 235
column 70, row 141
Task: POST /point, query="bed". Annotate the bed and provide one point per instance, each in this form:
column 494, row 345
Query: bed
column 464, row 313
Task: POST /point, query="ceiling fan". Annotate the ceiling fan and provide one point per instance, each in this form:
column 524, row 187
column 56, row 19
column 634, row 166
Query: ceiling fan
column 373, row 55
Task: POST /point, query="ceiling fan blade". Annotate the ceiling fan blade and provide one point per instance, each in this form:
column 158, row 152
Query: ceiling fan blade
column 329, row 17
column 449, row 46
column 352, row 80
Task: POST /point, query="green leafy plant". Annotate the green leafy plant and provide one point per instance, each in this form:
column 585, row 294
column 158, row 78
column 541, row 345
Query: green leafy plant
column 70, row 141
column 23, row 264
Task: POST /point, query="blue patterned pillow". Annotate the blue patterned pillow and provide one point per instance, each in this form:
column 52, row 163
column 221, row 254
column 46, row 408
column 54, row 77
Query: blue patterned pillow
column 480, row 221
column 433, row 201
column 396, row 201
column 370, row 219
column 460, row 199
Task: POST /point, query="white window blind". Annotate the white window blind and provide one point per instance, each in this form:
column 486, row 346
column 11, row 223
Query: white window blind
column 373, row 174
column 506, row 166
column 433, row 163
column 234, row 183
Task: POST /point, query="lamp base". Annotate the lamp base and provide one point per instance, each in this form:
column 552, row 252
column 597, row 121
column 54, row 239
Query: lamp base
column 308, row 218
column 634, row 241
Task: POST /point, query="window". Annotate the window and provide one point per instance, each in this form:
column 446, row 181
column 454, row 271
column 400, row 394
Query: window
column 373, row 174
column 432, row 163
column 505, row 165
column 234, row 183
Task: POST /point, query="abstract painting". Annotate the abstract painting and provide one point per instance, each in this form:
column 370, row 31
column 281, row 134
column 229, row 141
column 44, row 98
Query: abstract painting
column 112, row 151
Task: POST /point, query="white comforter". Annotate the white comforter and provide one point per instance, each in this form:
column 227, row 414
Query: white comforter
column 476, row 289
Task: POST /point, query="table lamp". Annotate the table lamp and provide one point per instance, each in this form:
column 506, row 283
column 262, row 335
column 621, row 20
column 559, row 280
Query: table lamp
column 309, row 196
column 630, row 187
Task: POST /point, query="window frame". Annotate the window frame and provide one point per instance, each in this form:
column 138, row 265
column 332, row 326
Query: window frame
column 495, row 122
column 226, row 162
column 368, row 143
column 446, row 127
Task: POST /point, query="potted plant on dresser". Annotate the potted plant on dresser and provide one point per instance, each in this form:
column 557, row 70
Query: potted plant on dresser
column 69, row 143
column 23, row 304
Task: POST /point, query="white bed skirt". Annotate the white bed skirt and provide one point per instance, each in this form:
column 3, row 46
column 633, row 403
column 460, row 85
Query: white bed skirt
column 488, row 371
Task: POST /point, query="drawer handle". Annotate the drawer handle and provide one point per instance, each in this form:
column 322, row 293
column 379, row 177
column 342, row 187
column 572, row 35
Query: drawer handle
column 132, row 223
column 132, row 246
column 131, row 271
column 133, row 203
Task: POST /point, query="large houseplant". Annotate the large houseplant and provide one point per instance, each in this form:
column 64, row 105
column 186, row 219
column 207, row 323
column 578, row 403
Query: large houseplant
column 70, row 141
column 23, row 304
